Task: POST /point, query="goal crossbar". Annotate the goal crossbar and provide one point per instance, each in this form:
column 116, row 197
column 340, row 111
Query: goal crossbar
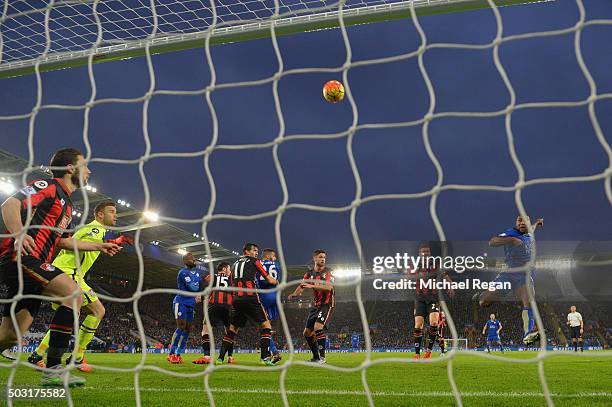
column 238, row 31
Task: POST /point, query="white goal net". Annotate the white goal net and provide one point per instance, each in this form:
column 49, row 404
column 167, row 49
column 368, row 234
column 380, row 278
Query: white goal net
column 48, row 35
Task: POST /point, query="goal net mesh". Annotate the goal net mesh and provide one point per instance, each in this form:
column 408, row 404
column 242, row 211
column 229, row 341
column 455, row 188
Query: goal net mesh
column 34, row 33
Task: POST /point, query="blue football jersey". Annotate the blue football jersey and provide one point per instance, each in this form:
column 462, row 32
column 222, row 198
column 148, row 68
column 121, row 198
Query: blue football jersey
column 188, row 280
column 517, row 256
column 492, row 327
column 273, row 269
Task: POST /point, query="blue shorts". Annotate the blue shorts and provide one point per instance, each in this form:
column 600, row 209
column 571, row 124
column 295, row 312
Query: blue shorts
column 493, row 339
column 269, row 304
column 516, row 280
column 182, row 311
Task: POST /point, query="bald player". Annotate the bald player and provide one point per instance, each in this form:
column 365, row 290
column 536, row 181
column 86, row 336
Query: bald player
column 183, row 306
column 517, row 243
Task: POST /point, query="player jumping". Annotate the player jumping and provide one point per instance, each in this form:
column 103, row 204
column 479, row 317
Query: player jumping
column 493, row 327
column 576, row 324
column 219, row 307
column 50, row 205
column 517, row 243
column 246, row 304
column 105, row 215
column 268, row 300
column 188, row 279
column 426, row 301
column 322, row 304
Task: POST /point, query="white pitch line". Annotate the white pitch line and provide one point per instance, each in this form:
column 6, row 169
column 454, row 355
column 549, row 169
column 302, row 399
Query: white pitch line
column 362, row 393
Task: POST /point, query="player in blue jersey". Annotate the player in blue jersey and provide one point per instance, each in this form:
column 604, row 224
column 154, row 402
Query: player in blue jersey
column 517, row 243
column 188, row 279
column 268, row 300
column 492, row 328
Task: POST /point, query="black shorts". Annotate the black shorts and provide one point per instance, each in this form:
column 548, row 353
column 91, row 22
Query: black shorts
column 219, row 314
column 575, row 330
column 423, row 307
column 318, row 314
column 36, row 277
column 243, row 310
column 441, row 332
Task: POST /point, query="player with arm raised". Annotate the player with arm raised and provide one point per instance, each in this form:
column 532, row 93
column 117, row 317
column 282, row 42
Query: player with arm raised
column 189, row 280
column 219, row 307
column 320, row 278
column 105, row 215
column 268, row 300
column 576, row 324
column 247, row 305
column 50, row 205
column 426, row 300
column 492, row 328
column 517, row 243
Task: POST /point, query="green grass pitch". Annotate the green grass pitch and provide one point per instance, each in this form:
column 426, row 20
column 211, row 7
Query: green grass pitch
column 573, row 381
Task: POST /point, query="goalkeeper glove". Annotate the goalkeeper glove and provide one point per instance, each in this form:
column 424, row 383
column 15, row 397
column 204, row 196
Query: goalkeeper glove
column 122, row 240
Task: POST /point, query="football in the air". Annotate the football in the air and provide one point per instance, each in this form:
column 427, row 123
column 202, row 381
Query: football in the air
column 333, row 91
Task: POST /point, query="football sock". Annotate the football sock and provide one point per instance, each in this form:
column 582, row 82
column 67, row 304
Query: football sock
column 44, row 344
column 206, row 345
column 264, row 342
column 433, row 333
column 178, row 334
column 87, row 331
column 61, row 330
column 321, row 339
column 183, row 343
column 312, row 343
column 528, row 322
column 227, row 343
column 418, row 340
column 273, row 349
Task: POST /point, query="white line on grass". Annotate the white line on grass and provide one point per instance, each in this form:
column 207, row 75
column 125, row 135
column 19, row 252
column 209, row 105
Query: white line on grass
column 362, row 393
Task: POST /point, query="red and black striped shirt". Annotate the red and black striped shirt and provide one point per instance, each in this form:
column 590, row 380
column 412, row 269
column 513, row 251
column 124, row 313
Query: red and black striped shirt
column 245, row 275
column 321, row 297
column 51, row 206
column 220, row 297
column 441, row 319
column 425, row 282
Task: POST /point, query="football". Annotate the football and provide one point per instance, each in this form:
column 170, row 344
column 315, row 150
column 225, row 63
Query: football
column 333, row 91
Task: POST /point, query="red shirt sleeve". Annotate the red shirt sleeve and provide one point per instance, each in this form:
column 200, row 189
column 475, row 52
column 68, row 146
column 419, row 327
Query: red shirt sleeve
column 306, row 277
column 38, row 191
column 261, row 268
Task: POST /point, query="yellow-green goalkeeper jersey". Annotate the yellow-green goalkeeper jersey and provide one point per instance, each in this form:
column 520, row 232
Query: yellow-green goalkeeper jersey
column 66, row 259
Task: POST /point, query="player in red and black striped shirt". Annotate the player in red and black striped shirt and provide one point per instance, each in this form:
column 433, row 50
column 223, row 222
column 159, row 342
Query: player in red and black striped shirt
column 441, row 326
column 219, row 306
column 426, row 300
column 320, row 278
column 246, row 304
column 47, row 204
